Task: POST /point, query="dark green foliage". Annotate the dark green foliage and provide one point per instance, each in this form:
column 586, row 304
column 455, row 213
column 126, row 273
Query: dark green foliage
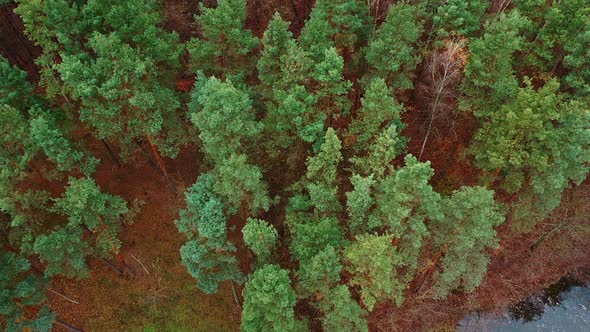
column 578, row 61
column 314, row 236
column 208, row 255
column 64, row 251
column 457, row 17
column 269, row 300
column 342, row 313
column 276, row 43
column 392, row 54
column 490, row 78
column 15, row 91
column 262, row 238
column 464, row 234
column 19, row 289
column 319, row 273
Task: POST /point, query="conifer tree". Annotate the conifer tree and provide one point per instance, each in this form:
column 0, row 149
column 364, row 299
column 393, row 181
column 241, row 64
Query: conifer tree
column 318, row 274
column 456, row 17
column 226, row 47
column 269, row 301
column 378, row 108
column 577, row 61
column 15, row 90
column 19, row 289
column 208, row 255
column 342, row 313
column 489, row 76
column 372, row 260
column 277, row 41
column 262, row 238
column 391, row 53
column 464, row 234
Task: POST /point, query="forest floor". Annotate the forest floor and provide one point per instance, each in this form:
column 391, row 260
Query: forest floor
column 162, row 296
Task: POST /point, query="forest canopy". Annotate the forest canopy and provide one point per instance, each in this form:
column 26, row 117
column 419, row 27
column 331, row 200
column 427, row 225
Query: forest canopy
column 353, row 156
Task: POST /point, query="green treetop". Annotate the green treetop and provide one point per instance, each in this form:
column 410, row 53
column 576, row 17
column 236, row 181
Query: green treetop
column 391, row 53
column 19, row 289
column 387, row 146
column 577, row 61
column 262, row 238
column 378, row 108
column 276, row 42
column 84, row 204
column 331, row 88
column 49, row 136
column 269, row 302
column 342, row 312
column 311, row 237
column 15, row 90
column 489, row 76
column 226, row 47
column 464, row 234
column 208, row 255
column 224, row 118
column 456, row 17
column 64, row 251
column 372, row 260
column 319, row 274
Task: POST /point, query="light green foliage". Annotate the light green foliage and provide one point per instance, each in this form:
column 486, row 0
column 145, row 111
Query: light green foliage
column 359, row 202
column 319, row 274
column 457, row 17
column 226, row 47
column 225, row 118
column 465, row 233
column 269, row 301
column 64, row 251
column 84, row 204
column 262, row 238
column 538, row 137
column 489, row 76
column 404, row 201
column 332, row 88
column 276, row 42
column 392, row 54
column 372, row 260
column 310, row 238
column 321, row 172
column 15, row 90
column 342, row 313
column 47, row 134
column 239, row 182
column 19, row 289
column 208, row 255
column 382, row 151
column 378, row 108
column 316, row 35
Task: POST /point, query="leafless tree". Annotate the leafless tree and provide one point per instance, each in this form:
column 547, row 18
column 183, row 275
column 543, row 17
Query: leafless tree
column 443, row 70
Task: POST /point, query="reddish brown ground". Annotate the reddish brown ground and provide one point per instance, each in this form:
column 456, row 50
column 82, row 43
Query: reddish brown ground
column 163, row 299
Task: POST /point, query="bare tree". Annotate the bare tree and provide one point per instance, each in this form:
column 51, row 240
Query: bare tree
column 444, row 71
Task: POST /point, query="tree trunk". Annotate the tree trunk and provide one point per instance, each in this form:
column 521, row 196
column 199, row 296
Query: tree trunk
column 14, row 45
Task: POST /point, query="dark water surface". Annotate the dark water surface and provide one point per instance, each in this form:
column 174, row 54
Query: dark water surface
column 564, row 306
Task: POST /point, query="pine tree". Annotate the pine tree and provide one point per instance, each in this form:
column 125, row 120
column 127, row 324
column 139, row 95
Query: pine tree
column 456, row 17
column 378, row 108
column 359, row 202
column 342, row 313
column 224, row 118
column 318, row 274
column 577, row 61
column 489, row 76
column 85, row 205
column 277, row 41
column 269, row 301
column 64, row 251
column 538, row 139
column 391, row 53
column 372, row 260
column 15, row 90
column 262, row 238
column 386, row 147
column 310, row 238
column 464, row 234
column 19, row 289
column 208, row 255
column 332, row 89
column 226, row 47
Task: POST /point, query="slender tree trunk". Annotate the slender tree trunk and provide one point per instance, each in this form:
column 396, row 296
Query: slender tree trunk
column 67, row 326
column 112, row 154
column 161, row 165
